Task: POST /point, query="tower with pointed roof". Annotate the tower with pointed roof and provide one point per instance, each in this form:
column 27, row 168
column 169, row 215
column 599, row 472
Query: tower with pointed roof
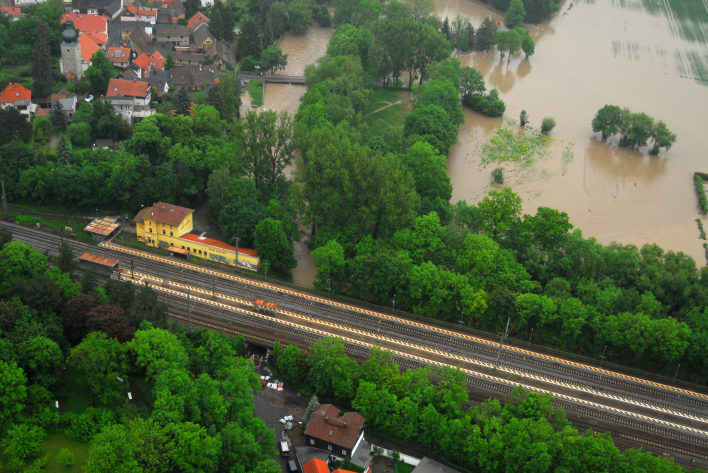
column 70, row 63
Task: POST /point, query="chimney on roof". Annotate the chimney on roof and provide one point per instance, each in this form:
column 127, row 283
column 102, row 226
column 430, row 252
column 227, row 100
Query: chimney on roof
column 331, row 432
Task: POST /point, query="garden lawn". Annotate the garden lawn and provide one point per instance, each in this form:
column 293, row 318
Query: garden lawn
column 404, row 468
column 256, row 92
column 53, row 444
column 54, row 226
column 379, row 99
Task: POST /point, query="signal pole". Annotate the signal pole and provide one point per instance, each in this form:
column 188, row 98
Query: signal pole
column 503, row 334
column 189, row 309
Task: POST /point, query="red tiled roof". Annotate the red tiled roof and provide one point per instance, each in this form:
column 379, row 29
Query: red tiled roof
column 165, row 213
column 119, row 54
column 98, row 38
column 218, row 244
column 15, row 92
column 88, row 47
column 325, row 424
column 12, row 11
column 142, row 61
column 339, row 470
column 86, row 23
column 315, row 466
column 158, row 60
column 98, row 259
column 129, row 88
column 42, row 111
column 141, row 11
column 198, row 17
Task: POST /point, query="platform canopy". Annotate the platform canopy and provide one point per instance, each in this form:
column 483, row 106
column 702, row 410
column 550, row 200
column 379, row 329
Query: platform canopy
column 181, row 251
column 102, row 226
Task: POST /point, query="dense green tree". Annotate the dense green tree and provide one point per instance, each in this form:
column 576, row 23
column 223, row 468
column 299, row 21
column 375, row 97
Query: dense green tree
column 103, row 360
column 242, row 212
column 80, row 134
column 330, row 263
column 64, row 154
column 528, row 46
column 443, row 94
column 515, row 14
column 183, row 103
column 222, row 22
column 23, row 441
column 58, row 116
column 432, row 124
column 429, row 170
column 13, row 125
column 170, row 62
column 331, row 371
column 42, row 64
column 607, row 121
column 661, row 138
column 300, row 15
column 112, row 450
column 100, row 72
column 19, row 261
column 486, row 35
column 249, row 40
column 547, row 125
column 273, row 59
column 356, row 12
column 278, row 18
column 12, row 393
column 157, row 350
column 272, row 244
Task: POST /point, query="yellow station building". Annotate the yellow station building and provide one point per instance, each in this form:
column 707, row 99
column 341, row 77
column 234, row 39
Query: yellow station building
column 168, row 227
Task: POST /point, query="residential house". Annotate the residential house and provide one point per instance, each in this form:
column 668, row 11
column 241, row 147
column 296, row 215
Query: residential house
column 340, row 435
column 175, row 36
column 120, row 57
column 157, row 60
column 426, row 465
column 69, row 101
column 315, row 466
column 139, row 92
column 86, row 23
column 99, row 38
column 163, row 16
column 141, row 65
column 18, row 97
column 202, row 36
column 222, row 54
column 142, row 43
column 160, row 80
column 13, row 12
column 132, row 13
column 188, row 58
column 206, row 3
column 26, row 3
column 194, row 77
column 130, row 26
column 110, row 8
column 168, row 226
column 196, row 20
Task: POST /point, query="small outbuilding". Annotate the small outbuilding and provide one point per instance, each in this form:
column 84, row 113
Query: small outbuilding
column 98, row 264
column 340, row 435
column 102, row 228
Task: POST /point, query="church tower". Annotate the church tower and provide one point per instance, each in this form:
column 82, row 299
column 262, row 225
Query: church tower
column 70, row 52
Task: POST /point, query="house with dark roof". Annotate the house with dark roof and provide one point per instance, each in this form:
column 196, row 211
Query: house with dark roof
column 133, row 13
column 174, row 36
column 340, row 435
column 18, row 97
column 188, row 58
column 69, row 101
column 202, row 36
column 141, row 42
column 110, row 8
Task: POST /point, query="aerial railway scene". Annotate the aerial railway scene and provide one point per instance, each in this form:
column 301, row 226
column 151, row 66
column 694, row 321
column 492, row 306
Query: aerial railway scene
column 353, row 236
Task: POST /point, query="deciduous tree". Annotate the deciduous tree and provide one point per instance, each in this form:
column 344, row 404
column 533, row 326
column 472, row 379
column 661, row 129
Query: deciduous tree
column 515, row 14
column 273, row 245
column 42, row 65
column 103, row 360
column 100, row 72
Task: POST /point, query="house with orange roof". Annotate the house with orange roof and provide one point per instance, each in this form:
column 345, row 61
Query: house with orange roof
column 13, row 12
column 18, row 97
column 99, row 38
column 139, row 92
column 196, row 20
column 157, row 60
column 132, row 13
column 142, row 65
column 315, row 466
column 87, row 23
column 119, row 57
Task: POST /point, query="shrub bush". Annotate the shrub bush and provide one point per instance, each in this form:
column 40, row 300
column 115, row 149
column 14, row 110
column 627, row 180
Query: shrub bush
column 498, row 175
column 702, row 200
column 66, row 457
column 548, row 124
column 490, row 104
column 87, row 425
column 80, row 134
column 321, row 14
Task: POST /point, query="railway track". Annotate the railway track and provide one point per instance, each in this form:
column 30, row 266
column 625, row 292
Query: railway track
column 430, row 337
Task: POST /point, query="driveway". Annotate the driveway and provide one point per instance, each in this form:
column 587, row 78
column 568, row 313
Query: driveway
column 271, row 406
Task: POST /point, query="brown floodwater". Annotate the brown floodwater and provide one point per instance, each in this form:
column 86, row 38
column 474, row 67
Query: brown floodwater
column 633, row 54
column 650, row 56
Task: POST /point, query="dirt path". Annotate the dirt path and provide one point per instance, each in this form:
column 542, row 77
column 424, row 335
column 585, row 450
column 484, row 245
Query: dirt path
column 390, row 104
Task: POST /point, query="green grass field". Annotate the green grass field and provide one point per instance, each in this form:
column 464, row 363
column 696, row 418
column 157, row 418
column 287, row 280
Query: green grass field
column 54, row 226
column 393, row 114
column 380, row 97
column 404, row 468
column 53, row 444
column 256, row 92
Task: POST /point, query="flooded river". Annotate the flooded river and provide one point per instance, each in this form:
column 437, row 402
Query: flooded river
column 649, row 55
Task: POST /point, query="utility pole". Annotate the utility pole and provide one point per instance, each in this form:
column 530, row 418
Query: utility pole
column 132, row 268
column 461, row 322
column 237, row 239
column 4, row 199
column 676, row 374
column 394, row 302
column 213, row 287
column 503, row 334
column 602, row 358
column 189, row 309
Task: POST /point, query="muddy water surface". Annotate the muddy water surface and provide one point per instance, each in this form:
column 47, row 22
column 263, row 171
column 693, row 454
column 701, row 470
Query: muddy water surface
column 648, row 56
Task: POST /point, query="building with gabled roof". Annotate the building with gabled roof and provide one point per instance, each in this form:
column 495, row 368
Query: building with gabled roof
column 88, row 48
column 13, row 12
column 197, row 19
column 157, row 60
column 110, row 8
column 87, row 23
column 315, row 466
column 202, row 36
column 138, row 91
column 120, row 57
column 133, row 13
column 18, row 97
column 141, row 65
column 174, row 36
column 169, row 227
column 341, row 435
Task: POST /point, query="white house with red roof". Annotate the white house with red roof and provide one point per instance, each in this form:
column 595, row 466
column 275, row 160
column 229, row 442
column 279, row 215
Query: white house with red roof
column 13, row 12
column 132, row 13
column 87, row 23
column 129, row 97
column 18, row 97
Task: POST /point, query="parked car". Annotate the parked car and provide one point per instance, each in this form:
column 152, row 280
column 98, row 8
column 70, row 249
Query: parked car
column 124, row 44
column 284, row 448
column 89, row 98
column 292, row 466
